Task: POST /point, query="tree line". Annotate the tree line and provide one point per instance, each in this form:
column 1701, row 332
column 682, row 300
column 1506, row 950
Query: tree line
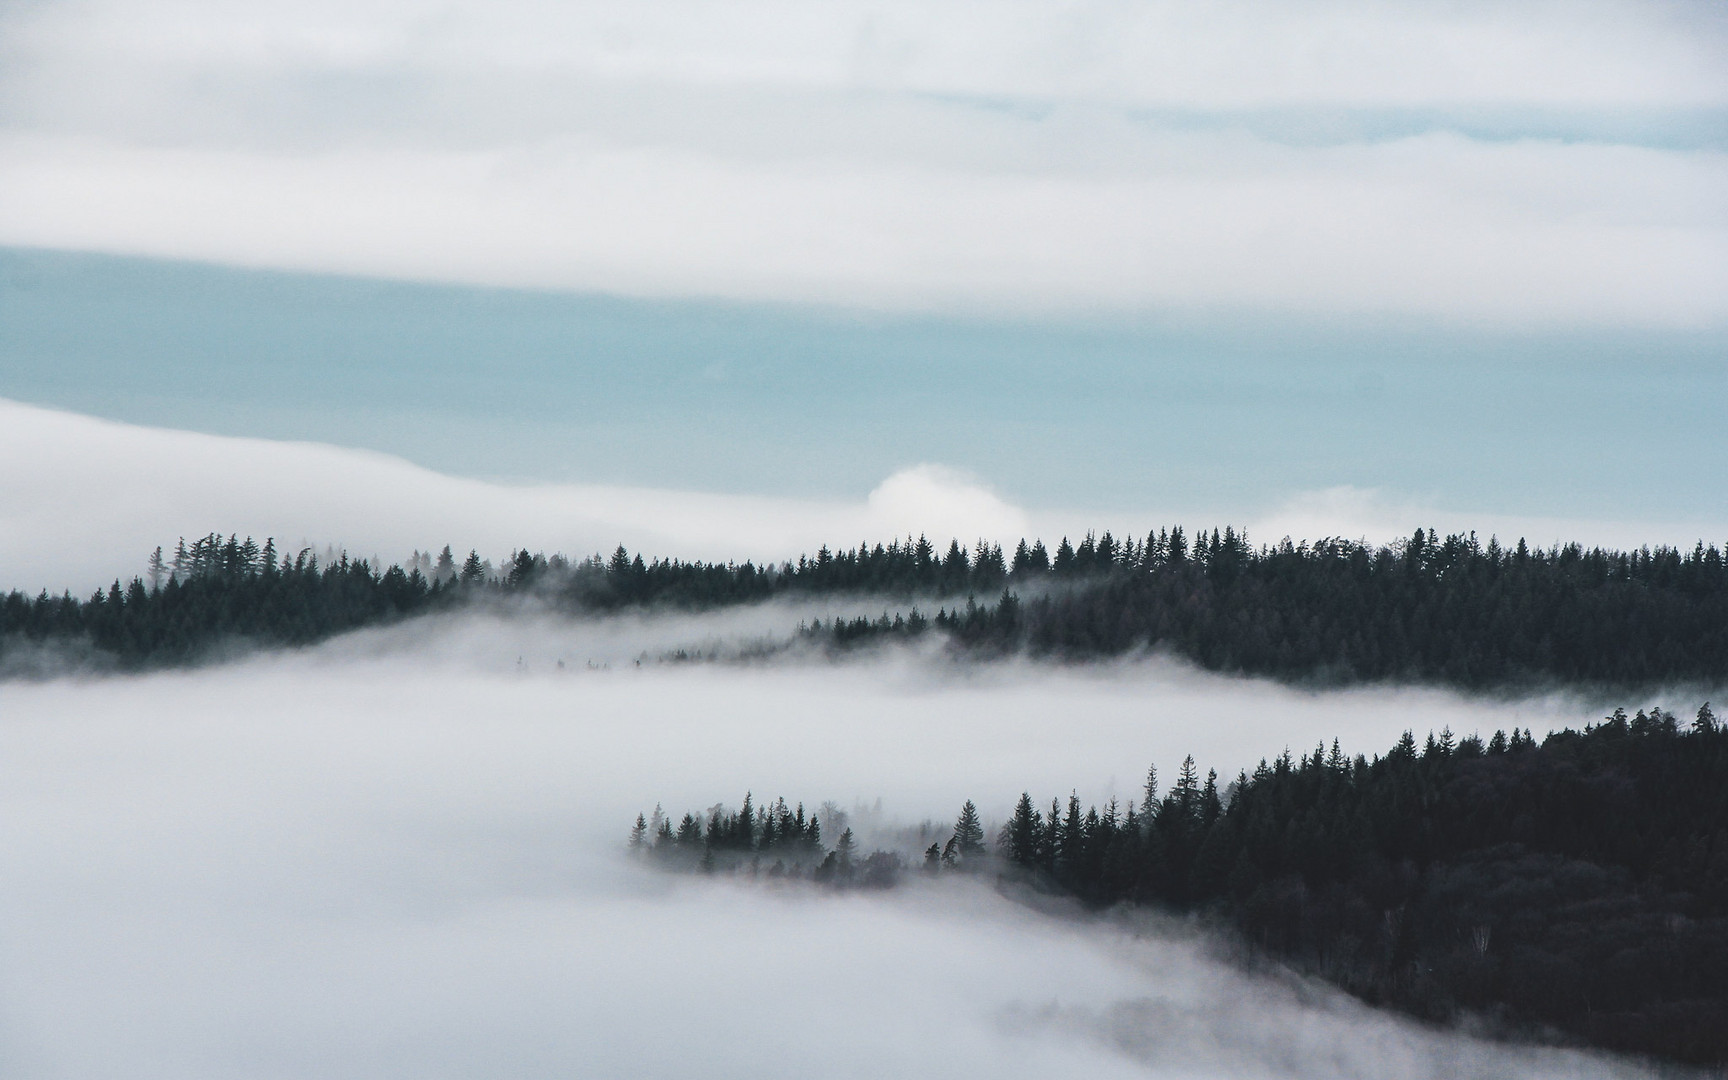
column 1448, row 610
column 1451, row 611
column 769, row 839
column 1572, row 889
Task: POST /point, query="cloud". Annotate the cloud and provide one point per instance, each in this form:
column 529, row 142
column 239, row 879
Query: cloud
column 1082, row 158
column 342, row 864
column 943, row 503
column 97, row 496
column 1354, row 513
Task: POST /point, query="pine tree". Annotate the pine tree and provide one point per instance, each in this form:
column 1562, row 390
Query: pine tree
column 1023, row 832
column 1705, row 724
column 1050, row 844
column 1064, row 561
column 156, row 569
column 1040, row 557
column 969, row 834
column 1072, row 844
column 689, row 831
column 1184, row 800
column 745, row 836
column 1210, row 806
column 844, row 849
column 1150, row 803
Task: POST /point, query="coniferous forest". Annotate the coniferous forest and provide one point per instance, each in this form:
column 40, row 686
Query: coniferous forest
column 1447, row 610
column 1573, row 890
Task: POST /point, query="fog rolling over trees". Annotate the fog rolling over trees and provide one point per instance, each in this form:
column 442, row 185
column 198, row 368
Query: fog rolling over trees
column 346, row 863
column 1453, row 610
column 1575, row 888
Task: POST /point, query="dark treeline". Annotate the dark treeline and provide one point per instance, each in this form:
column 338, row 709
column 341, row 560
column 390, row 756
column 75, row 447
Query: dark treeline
column 1451, row 611
column 1448, row 610
column 216, row 590
column 771, row 840
column 1573, row 889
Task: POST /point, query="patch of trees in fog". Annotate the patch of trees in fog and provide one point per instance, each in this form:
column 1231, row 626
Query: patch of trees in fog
column 1450, row 610
column 1573, row 889
column 768, row 840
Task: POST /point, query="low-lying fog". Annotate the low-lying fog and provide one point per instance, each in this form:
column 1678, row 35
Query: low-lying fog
column 378, row 859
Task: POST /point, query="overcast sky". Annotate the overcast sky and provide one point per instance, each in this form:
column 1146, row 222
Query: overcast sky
column 1510, row 163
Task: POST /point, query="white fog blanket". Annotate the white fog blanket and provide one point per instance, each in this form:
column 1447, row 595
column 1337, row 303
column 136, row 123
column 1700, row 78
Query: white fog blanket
column 366, row 861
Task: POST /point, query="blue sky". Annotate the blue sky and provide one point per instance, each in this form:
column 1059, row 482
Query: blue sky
column 1228, row 415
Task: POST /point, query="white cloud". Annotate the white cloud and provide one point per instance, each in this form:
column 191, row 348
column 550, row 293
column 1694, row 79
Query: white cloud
column 1354, row 513
column 1229, row 54
column 905, row 156
column 944, row 503
column 87, row 499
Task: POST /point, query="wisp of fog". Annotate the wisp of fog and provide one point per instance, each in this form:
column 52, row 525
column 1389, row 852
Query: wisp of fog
column 380, row 859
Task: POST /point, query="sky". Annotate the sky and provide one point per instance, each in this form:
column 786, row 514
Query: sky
column 1526, row 164
column 1108, row 259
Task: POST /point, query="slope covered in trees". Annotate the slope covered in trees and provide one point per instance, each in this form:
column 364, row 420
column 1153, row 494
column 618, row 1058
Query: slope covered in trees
column 1572, row 889
column 1429, row 609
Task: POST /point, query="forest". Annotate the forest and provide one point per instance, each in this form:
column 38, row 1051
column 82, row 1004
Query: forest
column 1570, row 890
column 1450, row 610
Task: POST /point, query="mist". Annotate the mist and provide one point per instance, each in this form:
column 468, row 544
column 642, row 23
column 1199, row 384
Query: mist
column 98, row 496
column 376, row 859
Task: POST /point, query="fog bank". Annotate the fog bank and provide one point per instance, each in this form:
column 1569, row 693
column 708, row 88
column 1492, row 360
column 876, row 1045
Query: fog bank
column 359, row 861
column 98, row 496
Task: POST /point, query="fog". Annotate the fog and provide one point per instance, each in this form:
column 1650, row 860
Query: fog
column 402, row 855
column 98, row 496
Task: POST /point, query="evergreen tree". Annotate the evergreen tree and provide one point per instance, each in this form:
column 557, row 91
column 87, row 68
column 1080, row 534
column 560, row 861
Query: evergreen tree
column 157, row 570
column 1150, row 802
column 969, row 834
column 1023, row 833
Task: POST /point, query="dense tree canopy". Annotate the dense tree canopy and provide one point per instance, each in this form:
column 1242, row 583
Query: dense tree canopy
column 1449, row 610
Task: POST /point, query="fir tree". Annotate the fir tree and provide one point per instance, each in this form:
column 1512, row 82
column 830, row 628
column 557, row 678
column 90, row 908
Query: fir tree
column 969, row 834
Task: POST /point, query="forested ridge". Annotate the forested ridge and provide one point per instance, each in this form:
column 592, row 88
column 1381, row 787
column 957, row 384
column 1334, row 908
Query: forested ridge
column 1573, row 889
column 1449, row 610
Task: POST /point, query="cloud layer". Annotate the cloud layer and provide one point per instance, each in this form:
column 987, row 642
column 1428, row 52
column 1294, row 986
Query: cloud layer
column 96, row 496
column 360, row 865
column 1513, row 165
